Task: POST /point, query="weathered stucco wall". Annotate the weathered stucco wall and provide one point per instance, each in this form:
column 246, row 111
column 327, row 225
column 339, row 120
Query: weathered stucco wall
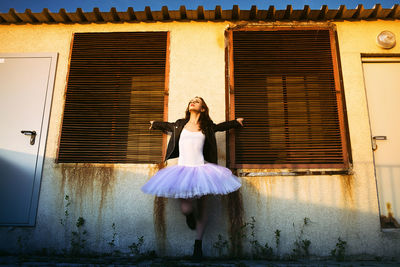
column 343, row 206
column 356, row 38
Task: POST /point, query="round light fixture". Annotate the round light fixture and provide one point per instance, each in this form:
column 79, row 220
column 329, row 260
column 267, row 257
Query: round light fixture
column 386, row 39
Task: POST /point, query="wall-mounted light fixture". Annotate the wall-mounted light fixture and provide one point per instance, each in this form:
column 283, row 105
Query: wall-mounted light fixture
column 386, row 39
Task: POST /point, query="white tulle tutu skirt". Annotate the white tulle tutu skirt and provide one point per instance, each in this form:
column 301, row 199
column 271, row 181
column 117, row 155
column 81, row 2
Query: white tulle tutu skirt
column 180, row 181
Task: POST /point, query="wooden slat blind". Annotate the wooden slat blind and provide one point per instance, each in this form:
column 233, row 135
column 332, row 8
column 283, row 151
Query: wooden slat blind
column 284, row 87
column 116, row 85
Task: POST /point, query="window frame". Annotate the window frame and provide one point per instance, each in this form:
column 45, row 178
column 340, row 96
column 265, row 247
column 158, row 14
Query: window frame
column 340, row 99
column 165, row 100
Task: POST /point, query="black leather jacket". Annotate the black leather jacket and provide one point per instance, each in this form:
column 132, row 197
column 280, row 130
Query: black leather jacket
column 210, row 143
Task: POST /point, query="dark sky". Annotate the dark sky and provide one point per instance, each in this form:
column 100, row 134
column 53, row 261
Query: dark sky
column 138, row 5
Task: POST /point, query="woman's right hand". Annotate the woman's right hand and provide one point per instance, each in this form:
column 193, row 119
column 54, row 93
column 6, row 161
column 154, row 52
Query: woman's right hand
column 151, row 122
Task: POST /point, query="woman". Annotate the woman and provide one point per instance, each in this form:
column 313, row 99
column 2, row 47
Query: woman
column 197, row 174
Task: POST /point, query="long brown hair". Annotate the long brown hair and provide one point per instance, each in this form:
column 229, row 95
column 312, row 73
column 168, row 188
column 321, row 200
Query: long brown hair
column 204, row 119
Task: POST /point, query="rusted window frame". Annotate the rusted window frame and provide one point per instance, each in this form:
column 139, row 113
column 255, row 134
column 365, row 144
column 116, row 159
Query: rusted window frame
column 166, row 94
column 341, row 108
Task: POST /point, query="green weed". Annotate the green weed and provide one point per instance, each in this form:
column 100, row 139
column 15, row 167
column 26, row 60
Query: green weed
column 301, row 246
column 78, row 241
column 222, row 246
column 339, row 252
column 136, row 246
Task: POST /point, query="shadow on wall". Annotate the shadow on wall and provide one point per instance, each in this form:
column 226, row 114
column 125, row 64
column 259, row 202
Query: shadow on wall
column 105, row 194
column 17, row 180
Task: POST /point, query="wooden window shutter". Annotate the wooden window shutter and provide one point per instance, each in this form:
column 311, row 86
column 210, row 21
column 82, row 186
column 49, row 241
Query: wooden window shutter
column 286, row 86
column 116, row 85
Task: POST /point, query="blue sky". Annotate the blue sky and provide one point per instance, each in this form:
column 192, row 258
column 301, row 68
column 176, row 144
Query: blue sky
column 138, row 5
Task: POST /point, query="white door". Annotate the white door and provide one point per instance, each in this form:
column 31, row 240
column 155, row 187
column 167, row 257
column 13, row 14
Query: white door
column 26, row 88
column 382, row 82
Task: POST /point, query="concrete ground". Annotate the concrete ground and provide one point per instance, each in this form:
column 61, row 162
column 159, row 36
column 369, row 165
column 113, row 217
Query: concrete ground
column 31, row 260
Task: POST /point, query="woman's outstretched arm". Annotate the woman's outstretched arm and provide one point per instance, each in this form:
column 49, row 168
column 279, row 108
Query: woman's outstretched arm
column 226, row 125
column 162, row 125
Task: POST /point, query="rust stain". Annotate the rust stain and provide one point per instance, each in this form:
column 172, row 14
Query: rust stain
column 75, row 182
column 234, row 203
column 255, row 185
column 261, row 183
column 159, row 222
column 153, row 168
column 107, row 178
column 347, row 184
column 260, row 186
column 89, row 186
column 62, row 186
column 389, row 221
column 82, row 181
column 159, row 211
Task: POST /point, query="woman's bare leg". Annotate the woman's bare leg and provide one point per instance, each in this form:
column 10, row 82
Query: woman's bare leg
column 189, row 211
column 201, row 221
column 186, row 205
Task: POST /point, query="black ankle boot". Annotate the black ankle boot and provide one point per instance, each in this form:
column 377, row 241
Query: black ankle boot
column 191, row 221
column 197, row 251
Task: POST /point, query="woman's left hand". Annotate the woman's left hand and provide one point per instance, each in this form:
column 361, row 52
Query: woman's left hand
column 240, row 120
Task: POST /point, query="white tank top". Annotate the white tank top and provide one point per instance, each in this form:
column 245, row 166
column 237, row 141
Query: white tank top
column 191, row 148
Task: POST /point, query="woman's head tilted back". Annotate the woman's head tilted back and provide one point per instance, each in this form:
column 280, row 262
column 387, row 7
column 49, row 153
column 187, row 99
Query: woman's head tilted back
column 204, row 119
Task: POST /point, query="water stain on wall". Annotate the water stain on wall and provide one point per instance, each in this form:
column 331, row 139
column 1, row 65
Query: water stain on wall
column 84, row 181
column 62, row 185
column 159, row 213
column 89, row 186
column 234, row 205
column 347, row 184
column 159, row 222
column 106, row 176
column 261, row 187
column 154, row 168
column 389, row 221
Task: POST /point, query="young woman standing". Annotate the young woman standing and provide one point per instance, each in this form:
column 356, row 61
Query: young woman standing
column 197, row 174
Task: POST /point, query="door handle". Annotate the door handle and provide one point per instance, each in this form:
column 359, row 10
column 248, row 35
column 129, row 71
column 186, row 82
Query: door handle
column 377, row 137
column 32, row 134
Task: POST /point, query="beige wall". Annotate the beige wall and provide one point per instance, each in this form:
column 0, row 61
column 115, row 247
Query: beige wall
column 337, row 205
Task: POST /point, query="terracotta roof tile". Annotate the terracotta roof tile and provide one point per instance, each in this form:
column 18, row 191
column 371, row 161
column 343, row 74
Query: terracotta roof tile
column 200, row 14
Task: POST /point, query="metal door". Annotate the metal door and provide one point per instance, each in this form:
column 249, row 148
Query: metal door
column 26, row 88
column 382, row 83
